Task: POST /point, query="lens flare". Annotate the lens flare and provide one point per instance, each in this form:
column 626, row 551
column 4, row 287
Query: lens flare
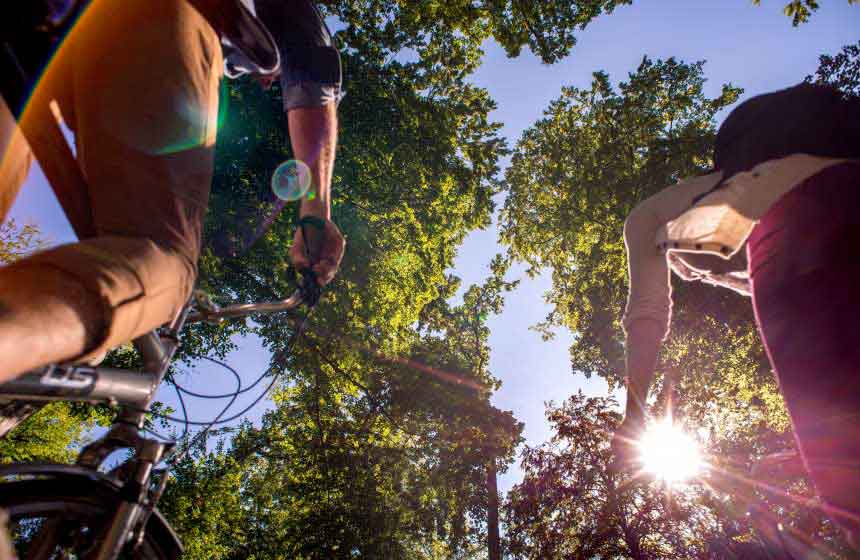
column 291, row 180
column 195, row 126
column 669, row 453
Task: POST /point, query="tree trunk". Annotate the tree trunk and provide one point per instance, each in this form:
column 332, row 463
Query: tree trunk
column 494, row 549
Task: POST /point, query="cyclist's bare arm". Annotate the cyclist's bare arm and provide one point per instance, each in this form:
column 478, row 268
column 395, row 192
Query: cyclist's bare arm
column 313, row 135
column 310, row 78
column 646, row 318
column 646, row 315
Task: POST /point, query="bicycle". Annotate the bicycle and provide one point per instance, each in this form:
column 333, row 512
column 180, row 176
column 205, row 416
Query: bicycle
column 76, row 508
column 76, row 511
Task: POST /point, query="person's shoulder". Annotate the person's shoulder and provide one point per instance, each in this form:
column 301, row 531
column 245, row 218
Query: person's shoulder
column 675, row 198
column 701, row 183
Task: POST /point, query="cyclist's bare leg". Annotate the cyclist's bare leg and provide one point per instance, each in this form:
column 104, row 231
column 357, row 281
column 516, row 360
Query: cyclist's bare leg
column 641, row 359
column 24, row 341
column 66, row 322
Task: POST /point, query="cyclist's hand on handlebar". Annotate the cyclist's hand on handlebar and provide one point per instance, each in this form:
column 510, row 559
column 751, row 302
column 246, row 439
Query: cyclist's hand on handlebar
column 322, row 254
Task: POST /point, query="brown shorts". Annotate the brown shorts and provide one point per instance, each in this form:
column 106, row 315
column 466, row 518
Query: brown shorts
column 137, row 82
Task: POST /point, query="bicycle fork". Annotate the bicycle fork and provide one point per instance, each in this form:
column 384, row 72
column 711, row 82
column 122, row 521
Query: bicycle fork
column 133, row 505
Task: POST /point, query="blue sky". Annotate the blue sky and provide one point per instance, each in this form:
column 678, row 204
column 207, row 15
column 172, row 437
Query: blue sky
column 753, row 47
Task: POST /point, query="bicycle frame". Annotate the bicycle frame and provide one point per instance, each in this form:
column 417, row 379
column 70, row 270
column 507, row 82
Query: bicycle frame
column 121, row 387
column 98, row 385
column 133, row 392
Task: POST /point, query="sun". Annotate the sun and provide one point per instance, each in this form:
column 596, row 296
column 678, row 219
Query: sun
column 669, row 453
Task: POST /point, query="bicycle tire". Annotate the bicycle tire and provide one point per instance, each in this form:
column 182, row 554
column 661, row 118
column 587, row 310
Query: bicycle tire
column 83, row 504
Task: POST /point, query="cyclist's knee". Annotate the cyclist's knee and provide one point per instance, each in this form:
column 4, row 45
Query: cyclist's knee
column 140, row 284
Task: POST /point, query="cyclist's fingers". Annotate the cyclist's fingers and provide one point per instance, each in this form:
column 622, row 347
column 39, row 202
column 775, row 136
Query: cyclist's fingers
column 325, row 272
column 329, row 263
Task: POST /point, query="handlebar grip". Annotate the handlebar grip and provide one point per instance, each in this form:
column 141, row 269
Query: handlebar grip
column 311, row 290
column 314, row 238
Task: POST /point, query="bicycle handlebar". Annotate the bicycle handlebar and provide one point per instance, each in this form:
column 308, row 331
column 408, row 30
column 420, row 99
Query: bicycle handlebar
column 215, row 313
column 207, row 310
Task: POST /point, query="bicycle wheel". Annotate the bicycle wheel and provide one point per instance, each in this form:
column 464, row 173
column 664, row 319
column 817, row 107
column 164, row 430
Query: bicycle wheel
column 61, row 518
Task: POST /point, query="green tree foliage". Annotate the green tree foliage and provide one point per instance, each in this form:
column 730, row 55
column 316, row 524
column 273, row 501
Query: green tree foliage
column 841, row 71
column 17, row 241
column 388, row 463
column 382, row 434
column 447, row 36
column 204, row 501
column 53, row 434
column 577, row 174
column 800, row 10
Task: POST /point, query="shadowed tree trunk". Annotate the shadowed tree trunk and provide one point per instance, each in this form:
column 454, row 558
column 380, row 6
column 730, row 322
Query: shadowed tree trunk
column 494, row 551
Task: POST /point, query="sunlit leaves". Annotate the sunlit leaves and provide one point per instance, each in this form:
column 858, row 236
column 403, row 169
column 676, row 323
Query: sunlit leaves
column 17, row 242
column 578, row 172
column 841, row 71
column 800, row 10
column 446, row 36
column 382, row 431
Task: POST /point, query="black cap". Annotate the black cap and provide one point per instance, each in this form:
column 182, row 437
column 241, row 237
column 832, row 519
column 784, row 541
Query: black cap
column 809, row 119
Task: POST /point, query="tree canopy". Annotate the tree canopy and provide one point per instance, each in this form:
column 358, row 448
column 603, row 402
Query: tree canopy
column 383, row 442
column 841, row 71
column 800, row 10
column 578, row 172
column 447, row 36
column 382, row 434
column 574, row 177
